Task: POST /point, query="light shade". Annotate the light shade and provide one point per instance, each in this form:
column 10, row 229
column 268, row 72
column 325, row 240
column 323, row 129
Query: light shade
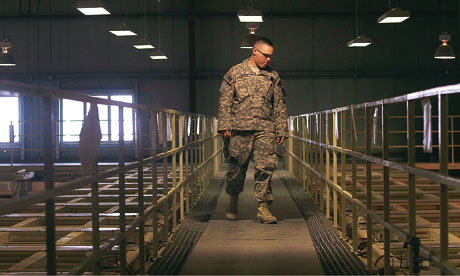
column 158, row 55
column 444, row 51
column 143, row 44
column 250, row 15
column 7, row 59
column 5, row 43
column 92, row 7
column 123, row 30
column 248, row 41
column 360, row 41
column 395, row 15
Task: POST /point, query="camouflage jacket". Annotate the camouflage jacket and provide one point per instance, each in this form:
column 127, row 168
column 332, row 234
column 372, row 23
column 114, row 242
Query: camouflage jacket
column 252, row 101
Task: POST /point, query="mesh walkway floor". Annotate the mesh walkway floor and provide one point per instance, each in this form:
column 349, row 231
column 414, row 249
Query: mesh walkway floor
column 247, row 247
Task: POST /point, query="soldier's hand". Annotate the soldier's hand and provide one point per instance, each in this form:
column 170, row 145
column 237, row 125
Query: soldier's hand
column 280, row 140
column 226, row 133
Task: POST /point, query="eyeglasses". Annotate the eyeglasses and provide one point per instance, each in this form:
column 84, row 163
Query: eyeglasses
column 265, row 55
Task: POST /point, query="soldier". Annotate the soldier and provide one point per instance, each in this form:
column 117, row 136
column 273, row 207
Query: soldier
column 252, row 114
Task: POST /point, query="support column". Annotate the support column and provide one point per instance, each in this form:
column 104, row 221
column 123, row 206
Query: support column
column 192, row 55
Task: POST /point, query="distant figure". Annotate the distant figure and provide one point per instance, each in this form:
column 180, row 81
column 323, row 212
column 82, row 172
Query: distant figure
column 252, row 115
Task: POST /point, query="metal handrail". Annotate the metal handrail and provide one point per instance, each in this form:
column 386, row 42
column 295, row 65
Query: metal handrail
column 15, row 205
column 200, row 154
column 309, row 150
column 436, row 91
column 393, row 228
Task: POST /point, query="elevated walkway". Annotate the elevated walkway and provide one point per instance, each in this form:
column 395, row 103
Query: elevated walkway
column 245, row 247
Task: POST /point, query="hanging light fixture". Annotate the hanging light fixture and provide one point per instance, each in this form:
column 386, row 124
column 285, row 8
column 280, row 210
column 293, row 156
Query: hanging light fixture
column 143, row 43
column 250, row 38
column 250, row 14
column 444, row 50
column 123, row 29
column 92, row 7
column 360, row 40
column 395, row 15
column 6, row 58
column 158, row 54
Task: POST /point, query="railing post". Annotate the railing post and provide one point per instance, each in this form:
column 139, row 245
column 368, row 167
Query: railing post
column 192, row 182
column 443, row 111
column 316, row 164
column 164, row 134
column 321, row 162
column 122, row 191
column 140, row 191
column 153, row 152
column 187, row 167
column 334, row 168
column 174, row 168
column 48, row 153
column 95, row 217
column 353, row 183
column 369, row 186
column 310, row 160
column 291, row 149
column 343, row 163
column 95, row 223
column 181, row 166
column 328, row 170
column 386, row 188
column 216, row 146
column 411, row 178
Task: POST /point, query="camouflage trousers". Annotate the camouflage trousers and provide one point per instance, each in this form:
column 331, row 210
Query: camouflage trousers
column 260, row 144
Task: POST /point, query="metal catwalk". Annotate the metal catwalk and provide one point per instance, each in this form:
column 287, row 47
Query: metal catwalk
column 303, row 241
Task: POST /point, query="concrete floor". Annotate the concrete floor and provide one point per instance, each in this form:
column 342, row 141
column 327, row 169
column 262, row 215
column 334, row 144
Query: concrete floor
column 247, row 247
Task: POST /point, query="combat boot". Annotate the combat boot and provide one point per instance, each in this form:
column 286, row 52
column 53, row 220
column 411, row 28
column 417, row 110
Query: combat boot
column 264, row 215
column 232, row 207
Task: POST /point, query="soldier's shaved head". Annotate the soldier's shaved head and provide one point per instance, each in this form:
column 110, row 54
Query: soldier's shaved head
column 264, row 40
column 262, row 53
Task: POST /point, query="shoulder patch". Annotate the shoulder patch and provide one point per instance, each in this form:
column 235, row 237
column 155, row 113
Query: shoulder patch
column 281, row 87
column 228, row 78
column 280, row 84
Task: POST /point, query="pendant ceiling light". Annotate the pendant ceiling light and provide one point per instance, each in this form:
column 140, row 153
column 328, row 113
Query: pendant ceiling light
column 158, row 54
column 395, row 15
column 143, row 43
column 444, row 51
column 92, row 7
column 6, row 58
column 360, row 40
column 250, row 38
column 250, row 14
column 123, row 29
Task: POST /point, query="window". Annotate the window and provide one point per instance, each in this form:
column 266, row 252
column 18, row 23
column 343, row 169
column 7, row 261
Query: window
column 9, row 114
column 73, row 117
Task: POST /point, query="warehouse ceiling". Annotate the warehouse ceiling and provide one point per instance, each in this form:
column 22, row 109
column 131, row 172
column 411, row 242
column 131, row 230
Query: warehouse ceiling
column 275, row 8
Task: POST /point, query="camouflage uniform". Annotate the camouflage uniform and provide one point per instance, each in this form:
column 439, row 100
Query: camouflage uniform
column 252, row 106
